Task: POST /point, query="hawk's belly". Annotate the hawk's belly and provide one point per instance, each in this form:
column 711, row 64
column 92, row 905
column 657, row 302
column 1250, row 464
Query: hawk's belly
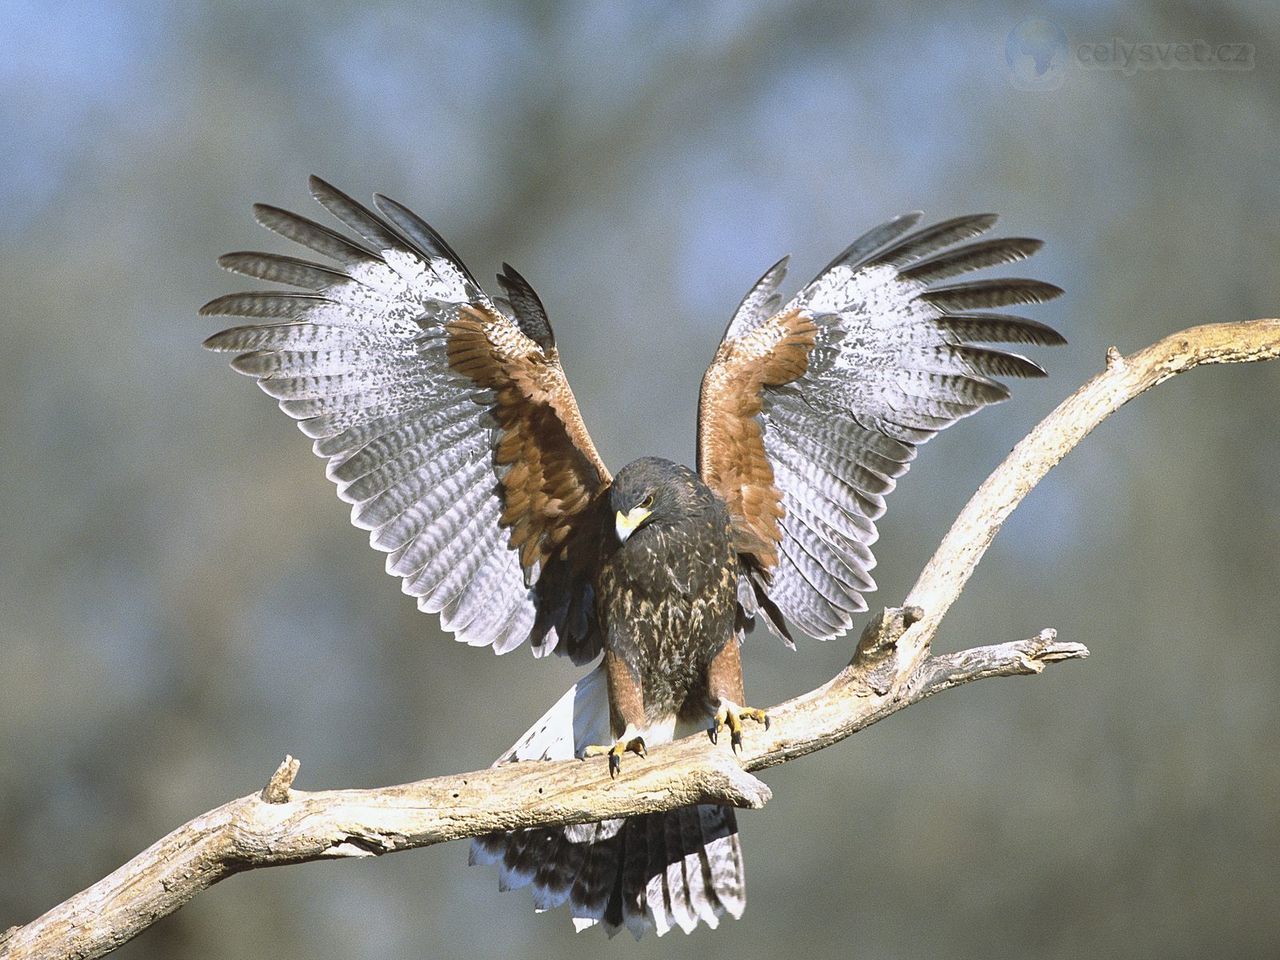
column 666, row 601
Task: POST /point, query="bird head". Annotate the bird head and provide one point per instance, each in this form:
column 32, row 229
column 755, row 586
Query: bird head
column 650, row 490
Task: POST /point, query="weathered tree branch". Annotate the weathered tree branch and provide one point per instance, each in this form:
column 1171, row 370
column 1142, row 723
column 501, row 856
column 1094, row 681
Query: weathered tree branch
column 892, row 668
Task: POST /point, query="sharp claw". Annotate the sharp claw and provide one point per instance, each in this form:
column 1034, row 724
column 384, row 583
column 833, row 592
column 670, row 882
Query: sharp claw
column 726, row 717
column 614, row 753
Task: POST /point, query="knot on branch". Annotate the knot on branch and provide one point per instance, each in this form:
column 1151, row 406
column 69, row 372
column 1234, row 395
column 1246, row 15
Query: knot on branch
column 277, row 788
column 874, row 666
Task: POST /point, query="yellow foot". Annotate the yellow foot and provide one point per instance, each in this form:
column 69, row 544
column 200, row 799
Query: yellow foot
column 731, row 715
column 632, row 745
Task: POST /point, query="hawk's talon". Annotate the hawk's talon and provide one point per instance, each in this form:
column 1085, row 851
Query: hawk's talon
column 615, row 751
column 731, row 715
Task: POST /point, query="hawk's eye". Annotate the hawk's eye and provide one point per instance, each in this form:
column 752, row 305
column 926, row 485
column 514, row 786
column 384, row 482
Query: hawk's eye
column 647, row 502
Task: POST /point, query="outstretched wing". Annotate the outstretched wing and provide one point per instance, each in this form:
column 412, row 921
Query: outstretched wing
column 811, row 411
column 447, row 423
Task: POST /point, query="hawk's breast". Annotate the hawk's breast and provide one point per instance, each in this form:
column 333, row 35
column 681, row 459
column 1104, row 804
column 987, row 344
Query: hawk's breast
column 666, row 600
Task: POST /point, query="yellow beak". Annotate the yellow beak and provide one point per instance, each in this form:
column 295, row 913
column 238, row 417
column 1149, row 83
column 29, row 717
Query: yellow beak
column 626, row 523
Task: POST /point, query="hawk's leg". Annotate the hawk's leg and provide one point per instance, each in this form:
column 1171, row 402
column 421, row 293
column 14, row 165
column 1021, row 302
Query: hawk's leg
column 724, row 683
column 626, row 714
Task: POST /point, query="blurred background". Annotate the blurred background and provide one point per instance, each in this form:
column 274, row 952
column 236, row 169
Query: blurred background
column 182, row 600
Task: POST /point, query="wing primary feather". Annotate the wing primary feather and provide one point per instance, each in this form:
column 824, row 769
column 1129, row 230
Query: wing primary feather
column 339, row 388
column 871, row 241
column 974, row 256
column 278, row 268
column 916, row 246
column 982, row 294
column 355, row 215
column 290, row 335
column 310, row 363
column 266, row 304
column 1000, row 328
column 313, row 235
column 996, row 363
column 420, row 233
column 761, row 300
column 527, row 307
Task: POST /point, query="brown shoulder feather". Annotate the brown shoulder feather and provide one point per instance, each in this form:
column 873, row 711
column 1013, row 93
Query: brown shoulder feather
column 551, row 467
column 731, row 454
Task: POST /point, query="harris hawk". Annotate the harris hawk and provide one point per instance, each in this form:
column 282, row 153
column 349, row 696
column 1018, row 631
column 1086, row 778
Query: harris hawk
column 449, row 426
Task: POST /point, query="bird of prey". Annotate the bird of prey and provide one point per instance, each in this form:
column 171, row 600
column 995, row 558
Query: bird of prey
column 449, row 425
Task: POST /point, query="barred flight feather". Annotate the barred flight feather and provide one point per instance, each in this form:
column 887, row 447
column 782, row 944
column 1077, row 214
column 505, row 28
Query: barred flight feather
column 409, row 381
column 889, row 366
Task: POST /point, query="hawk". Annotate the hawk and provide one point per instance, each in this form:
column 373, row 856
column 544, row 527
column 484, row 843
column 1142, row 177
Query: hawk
column 448, row 424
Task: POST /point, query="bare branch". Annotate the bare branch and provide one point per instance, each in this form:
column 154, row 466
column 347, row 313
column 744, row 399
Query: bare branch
column 1056, row 435
column 891, row 669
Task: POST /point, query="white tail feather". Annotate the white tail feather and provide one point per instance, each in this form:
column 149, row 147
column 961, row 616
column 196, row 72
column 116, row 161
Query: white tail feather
column 579, row 718
column 698, row 857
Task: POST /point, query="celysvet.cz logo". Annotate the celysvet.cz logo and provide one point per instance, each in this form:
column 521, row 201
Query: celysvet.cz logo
column 1039, row 55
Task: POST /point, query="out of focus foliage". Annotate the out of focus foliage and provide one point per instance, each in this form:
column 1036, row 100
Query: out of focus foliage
column 182, row 600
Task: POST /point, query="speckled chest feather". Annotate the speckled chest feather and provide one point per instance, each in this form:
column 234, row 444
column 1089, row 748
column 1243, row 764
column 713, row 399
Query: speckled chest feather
column 666, row 602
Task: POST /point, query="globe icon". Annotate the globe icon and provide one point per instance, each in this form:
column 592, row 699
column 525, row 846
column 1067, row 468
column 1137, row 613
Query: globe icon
column 1036, row 52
